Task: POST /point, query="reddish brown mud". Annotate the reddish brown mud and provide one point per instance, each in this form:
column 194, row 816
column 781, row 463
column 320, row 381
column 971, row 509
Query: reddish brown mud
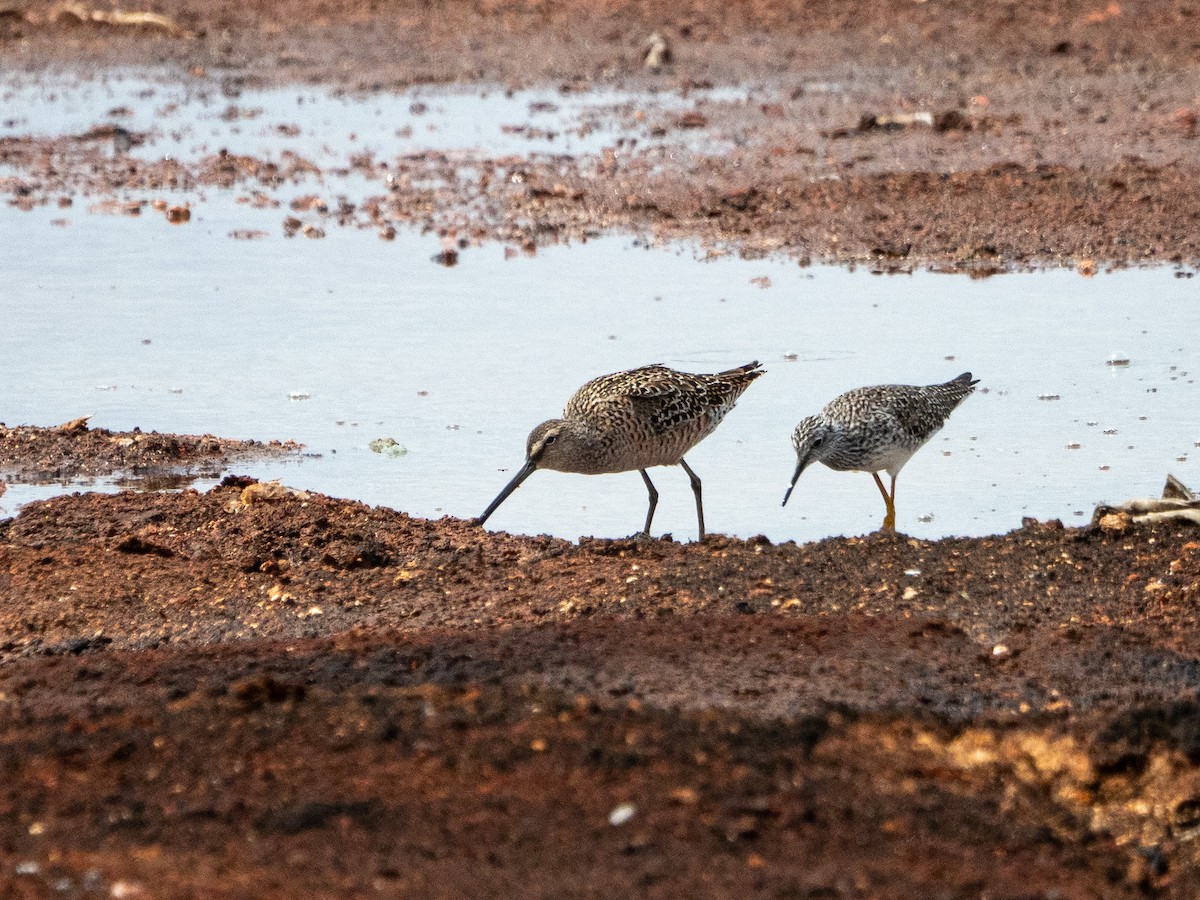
column 221, row 695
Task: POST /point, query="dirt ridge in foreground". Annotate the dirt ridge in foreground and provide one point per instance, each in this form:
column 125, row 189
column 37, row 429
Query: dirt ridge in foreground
column 227, row 695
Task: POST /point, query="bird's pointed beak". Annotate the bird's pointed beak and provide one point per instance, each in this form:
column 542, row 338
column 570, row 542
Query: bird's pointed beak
column 800, row 466
column 526, row 470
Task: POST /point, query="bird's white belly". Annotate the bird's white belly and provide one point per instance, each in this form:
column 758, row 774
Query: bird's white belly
column 890, row 458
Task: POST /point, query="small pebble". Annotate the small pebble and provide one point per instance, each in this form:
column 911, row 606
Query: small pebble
column 621, row 814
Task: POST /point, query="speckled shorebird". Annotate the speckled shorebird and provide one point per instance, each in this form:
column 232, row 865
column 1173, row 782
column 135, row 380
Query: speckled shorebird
column 630, row 420
column 873, row 429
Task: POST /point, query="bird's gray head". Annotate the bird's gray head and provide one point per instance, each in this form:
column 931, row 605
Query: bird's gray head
column 812, row 439
column 551, row 445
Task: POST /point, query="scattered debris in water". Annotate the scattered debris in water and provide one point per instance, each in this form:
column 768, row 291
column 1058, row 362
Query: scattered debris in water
column 263, row 491
column 1178, row 503
column 388, row 447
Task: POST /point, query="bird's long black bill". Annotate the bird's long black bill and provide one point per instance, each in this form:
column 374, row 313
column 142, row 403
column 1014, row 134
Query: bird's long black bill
column 526, row 470
column 795, row 478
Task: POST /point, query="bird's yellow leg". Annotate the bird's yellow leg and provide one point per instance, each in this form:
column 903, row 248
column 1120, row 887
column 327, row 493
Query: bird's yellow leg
column 889, row 523
column 889, row 501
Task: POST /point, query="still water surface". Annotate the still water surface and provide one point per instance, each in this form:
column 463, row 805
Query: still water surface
column 344, row 340
column 184, row 329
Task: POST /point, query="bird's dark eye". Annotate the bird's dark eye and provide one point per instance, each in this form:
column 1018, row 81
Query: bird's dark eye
column 818, row 441
column 550, row 439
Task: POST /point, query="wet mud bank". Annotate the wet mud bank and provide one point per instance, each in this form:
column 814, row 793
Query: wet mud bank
column 196, row 687
column 35, row 454
column 896, row 134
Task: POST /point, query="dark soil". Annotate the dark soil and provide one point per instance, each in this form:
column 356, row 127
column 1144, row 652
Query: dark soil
column 221, row 695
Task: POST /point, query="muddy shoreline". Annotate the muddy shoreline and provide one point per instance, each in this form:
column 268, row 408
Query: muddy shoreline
column 34, row 454
column 894, row 134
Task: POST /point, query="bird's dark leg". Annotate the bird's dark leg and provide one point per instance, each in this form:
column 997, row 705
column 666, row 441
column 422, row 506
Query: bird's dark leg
column 889, row 500
column 890, row 524
column 653, row 501
column 695, row 479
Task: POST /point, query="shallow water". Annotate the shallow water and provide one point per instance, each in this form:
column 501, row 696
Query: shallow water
column 186, row 118
column 341, row 341
column 183, row 329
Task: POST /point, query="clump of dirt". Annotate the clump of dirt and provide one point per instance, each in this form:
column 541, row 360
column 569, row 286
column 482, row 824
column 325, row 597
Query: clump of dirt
column 32, row 454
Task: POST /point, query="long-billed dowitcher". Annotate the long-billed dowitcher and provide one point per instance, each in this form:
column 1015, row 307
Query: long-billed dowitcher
column 630, row 420
column 873, row 429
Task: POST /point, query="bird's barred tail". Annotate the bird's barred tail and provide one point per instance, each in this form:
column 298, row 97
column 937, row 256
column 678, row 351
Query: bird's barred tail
column 743, row 374
column 958, row 389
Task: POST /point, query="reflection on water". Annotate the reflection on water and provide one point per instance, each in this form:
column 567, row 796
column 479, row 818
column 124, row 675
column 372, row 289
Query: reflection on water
column 183, row 329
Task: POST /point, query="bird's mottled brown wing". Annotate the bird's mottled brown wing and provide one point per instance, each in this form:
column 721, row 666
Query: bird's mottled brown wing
column 659, row 397
column 665, row 407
